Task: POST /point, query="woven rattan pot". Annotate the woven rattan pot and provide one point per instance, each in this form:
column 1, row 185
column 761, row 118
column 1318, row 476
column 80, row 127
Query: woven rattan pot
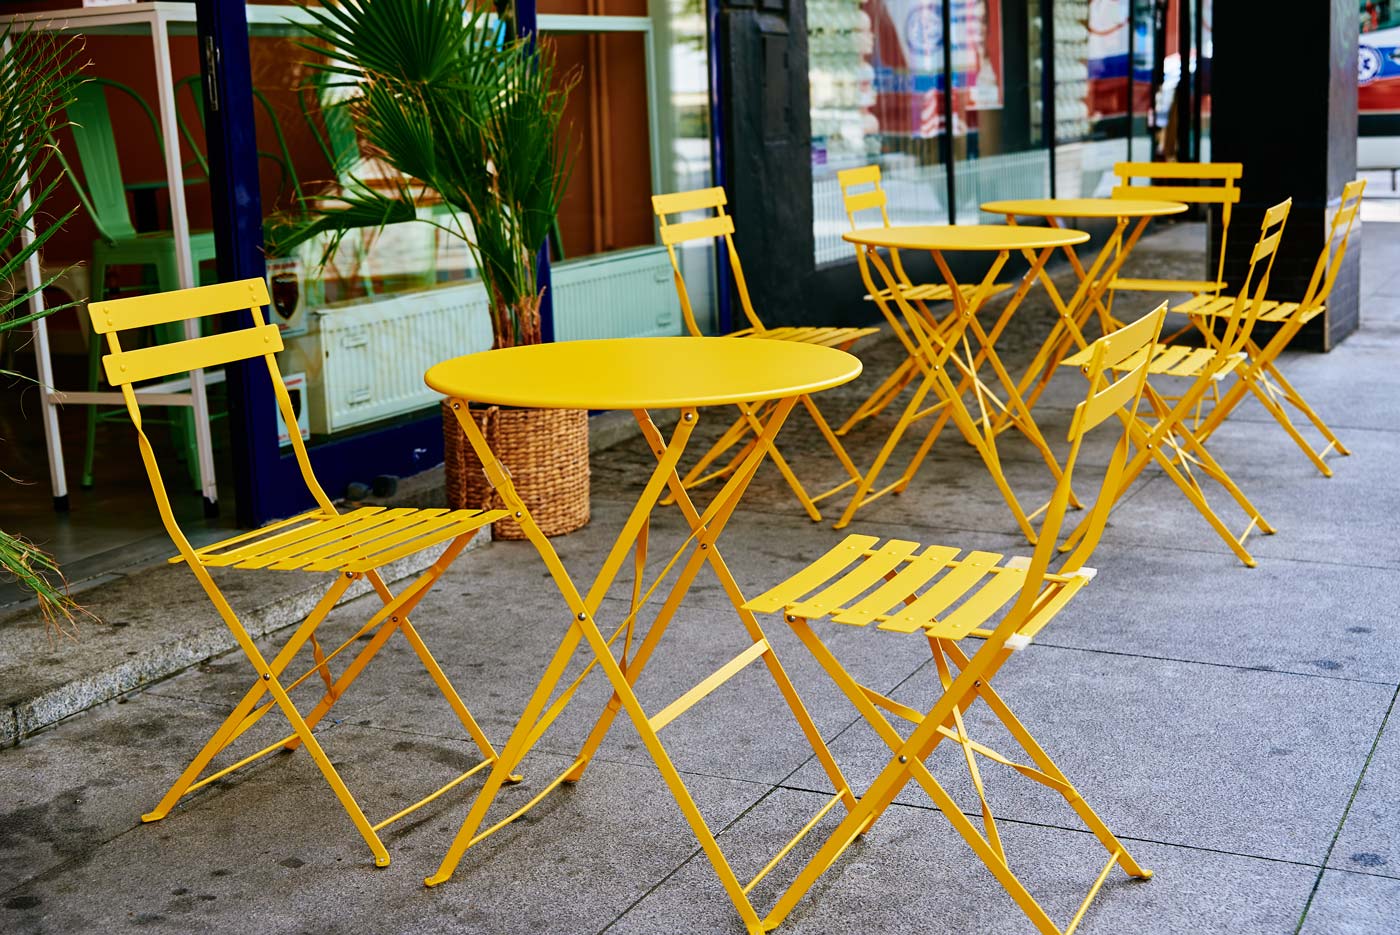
column 546, row 453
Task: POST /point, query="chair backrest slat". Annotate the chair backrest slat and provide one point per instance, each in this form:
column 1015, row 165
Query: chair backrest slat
column 1112, row 350
column 681, row 202
column 162, row 360
column 1179, row 170
column 703, row 229
column 161, row 309
column 1187, row 194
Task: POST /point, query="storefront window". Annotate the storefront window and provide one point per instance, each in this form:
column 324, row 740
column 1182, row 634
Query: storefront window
column 876, row 73
column 998, row 150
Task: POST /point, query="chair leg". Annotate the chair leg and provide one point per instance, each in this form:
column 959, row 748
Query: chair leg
column 98, row 288
column 883, row 395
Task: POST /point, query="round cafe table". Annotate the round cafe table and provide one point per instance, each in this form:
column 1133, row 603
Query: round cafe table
column 944, row 353
column 1094, row 282
column 640, row 374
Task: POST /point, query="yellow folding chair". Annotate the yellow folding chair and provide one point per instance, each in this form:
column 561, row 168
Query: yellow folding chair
column 1170, row 442
column 1216, row 183
column 351, row 546
column 892, row 585
column 748, row 426
column 1262, row 376
column 858, row 198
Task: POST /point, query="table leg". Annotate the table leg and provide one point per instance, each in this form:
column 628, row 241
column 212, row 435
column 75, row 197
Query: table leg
column 540, row 712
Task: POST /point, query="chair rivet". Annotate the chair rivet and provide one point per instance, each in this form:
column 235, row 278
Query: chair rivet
column 977, row 683
column 582, row 615
column 123, row 368
column 791, row 618
column 456, row 405
column 518, row 514
column 704, row 545
column 267, row 676
column 689, row 416
column 904, row 759
column 393, row 619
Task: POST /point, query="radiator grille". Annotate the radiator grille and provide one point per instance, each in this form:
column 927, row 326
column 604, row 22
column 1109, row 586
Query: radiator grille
column 627, row 294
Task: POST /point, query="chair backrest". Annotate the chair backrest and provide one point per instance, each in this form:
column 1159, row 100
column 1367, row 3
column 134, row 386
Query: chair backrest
column 866, row 200
column 1245, row 310
column 1224, row 190
column 1335, row 249
column 101, row 189
column 125, row 368
column 1116, row 373
column 716, row 225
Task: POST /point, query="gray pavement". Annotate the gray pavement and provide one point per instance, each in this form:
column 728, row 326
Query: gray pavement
column 1232, row 725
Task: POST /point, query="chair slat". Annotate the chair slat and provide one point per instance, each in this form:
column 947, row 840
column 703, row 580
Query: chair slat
column 143, row 310
column 1128, row 284
column 1192, row 364
column 886, row 558
column 1189, row 194
column 286, row 537
column 703, row 229
column 861, row 175
column 863, row 201
column 1179, row 170
column 978, row 608
column 162, row 360
column 944, row 592
column 813, row 576
column 681, row 202
column 1050, row 604
column 1165, row 358
column 915, row 574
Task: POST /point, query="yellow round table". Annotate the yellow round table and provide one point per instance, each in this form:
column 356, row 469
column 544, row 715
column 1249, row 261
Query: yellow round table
column 942, row 353
column 641, row 374
column 1098, row 279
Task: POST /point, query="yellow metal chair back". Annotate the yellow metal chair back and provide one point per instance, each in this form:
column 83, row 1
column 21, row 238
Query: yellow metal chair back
column 1225, row 193
column 354, row 545
column 719, row 224
column 125, row 368
column 1329, row 263
column 1245, row 311
column 947, row 598
column 868, row 199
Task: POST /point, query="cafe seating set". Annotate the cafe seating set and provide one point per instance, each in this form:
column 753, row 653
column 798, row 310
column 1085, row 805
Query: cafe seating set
column 974, row 608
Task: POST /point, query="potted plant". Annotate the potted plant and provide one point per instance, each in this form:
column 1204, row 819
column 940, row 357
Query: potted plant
column 457, row 110
column 38, row 75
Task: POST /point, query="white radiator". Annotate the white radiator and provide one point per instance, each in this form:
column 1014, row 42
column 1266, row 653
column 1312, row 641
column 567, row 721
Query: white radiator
column 366, row 362
column 626, row 294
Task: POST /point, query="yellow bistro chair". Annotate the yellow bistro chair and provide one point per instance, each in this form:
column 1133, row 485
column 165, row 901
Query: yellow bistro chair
column 1194, row 183
column 947, row 597
column 1262, row 376
column 918, row 295
column 1170, row 442
column 720, row 225
column 350, row 546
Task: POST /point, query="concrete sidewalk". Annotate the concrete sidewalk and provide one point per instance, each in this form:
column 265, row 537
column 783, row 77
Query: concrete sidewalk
column 1229, row 723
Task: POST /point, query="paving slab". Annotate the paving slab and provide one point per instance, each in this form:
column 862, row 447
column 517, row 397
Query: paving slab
column 1353, row 904
column 1287, row 615
column 1370, row 838
column 913, row 873
column 1204, row 756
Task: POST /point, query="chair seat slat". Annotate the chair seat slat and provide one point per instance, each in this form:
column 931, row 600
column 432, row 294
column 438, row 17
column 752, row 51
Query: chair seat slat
column 848, row 550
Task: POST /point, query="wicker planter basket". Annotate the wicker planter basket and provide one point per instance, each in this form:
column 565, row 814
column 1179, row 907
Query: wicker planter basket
column 546, row 452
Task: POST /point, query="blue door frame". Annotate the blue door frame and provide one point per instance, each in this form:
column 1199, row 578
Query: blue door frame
column 267, row 482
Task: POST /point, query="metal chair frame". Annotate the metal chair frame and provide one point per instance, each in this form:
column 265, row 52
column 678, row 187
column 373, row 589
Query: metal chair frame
column 354, row 546
column 892, row 585
column 745, row 431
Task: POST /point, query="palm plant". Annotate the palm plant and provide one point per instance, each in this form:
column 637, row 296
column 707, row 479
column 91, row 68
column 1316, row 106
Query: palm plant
column 446, row 100
column 38, row 75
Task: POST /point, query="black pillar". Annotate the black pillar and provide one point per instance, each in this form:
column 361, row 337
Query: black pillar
column 767, row 132
column 1283, row 102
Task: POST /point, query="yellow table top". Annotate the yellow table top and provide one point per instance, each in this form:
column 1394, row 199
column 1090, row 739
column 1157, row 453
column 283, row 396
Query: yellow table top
column 966, row 237
column 1084, row 207
column 643, row 373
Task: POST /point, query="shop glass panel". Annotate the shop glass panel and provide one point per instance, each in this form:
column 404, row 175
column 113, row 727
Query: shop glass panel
column 876, row 73
column 998, row 149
